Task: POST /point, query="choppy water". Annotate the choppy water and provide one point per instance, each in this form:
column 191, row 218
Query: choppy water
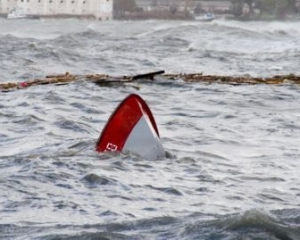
column 233, row 170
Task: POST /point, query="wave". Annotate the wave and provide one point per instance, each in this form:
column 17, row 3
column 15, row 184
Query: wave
column 252, row 224
column 274, row 28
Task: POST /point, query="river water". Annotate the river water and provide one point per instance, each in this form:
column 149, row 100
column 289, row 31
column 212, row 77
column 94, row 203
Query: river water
column 232, row 169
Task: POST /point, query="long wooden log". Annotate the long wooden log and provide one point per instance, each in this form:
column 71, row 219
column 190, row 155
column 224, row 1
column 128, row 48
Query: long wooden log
column 104, row 79
column 150, row 75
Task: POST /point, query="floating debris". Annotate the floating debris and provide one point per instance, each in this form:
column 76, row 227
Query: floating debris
column 199, row 77
column 104, row 79
column 66, row 78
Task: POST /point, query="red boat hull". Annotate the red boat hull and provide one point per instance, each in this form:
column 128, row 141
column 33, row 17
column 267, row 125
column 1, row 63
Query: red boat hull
column 131, row 128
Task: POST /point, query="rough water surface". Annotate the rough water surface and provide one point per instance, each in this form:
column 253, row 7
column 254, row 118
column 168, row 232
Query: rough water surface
column 232, row 170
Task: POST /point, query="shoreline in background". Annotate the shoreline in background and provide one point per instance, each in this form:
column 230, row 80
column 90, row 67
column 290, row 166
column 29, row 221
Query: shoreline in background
column 188, row 17
column 165, row 15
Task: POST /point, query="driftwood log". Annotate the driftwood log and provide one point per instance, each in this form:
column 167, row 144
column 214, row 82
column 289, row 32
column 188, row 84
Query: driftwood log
column 103, row 79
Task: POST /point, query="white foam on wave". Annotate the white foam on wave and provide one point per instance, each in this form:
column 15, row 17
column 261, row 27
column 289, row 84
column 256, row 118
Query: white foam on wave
column 42, row 29
column 273, row 27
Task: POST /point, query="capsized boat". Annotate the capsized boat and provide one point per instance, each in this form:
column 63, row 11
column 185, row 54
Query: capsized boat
column 132, row 128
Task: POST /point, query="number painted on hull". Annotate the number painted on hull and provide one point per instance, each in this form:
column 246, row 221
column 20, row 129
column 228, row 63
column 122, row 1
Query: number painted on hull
column 111, row 147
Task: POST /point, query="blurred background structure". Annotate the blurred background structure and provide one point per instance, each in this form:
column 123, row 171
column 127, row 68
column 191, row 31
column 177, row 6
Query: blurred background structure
column 248, row 9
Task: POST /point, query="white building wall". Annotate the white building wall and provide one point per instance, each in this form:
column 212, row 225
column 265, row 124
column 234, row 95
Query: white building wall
column 3, row 7
column 6, row 5
column 101, row 9
column 83, row 7
column 104, row 9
